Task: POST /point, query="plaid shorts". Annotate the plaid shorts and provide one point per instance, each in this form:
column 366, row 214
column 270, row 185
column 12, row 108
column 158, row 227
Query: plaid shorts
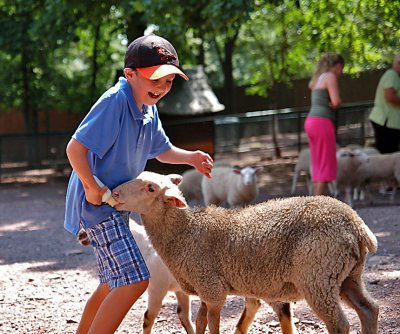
column 119, row 260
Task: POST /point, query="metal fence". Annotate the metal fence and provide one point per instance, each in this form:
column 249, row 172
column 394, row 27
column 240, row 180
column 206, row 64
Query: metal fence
column 263, row 130
column 31, row 151
column 255, row 131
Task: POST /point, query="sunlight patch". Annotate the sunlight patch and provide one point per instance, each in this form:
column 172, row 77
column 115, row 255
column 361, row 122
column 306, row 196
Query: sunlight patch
column 25, row 225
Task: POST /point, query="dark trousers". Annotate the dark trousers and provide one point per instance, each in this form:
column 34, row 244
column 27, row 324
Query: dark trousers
column 387, row 140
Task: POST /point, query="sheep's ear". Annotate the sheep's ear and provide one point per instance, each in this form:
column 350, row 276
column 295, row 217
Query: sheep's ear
column 174, row 197
column 259, row 169
column 175, row 178
column 236, row 170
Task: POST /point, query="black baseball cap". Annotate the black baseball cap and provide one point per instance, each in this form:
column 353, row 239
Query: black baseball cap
column 153, row 57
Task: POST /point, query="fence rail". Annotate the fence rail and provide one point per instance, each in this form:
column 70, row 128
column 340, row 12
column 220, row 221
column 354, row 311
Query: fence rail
column 285, row 128
column 254, row 131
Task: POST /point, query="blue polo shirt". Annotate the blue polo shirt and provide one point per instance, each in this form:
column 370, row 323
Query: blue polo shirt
column 120, row 140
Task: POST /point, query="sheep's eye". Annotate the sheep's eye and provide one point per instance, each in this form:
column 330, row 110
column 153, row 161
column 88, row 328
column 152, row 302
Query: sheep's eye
column 150, row 188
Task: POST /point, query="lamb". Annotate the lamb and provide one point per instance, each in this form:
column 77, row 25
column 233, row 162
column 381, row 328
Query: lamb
column 191, row 186
column 303, row 165
column 370, row 151
column 279, row 251
column 382, row 167
column 161, row 281
column 348, row 161
column 230, row 185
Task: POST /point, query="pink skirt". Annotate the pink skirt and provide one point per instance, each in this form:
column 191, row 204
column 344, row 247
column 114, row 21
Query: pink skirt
column 322, row 141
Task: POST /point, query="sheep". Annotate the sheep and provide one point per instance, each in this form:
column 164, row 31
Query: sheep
column 370, row 151
column 230, row 185
column 279, row 251
column 382, row 167
column 161, row 281
column 348, row 161
column 191, row 186
column 303, row 165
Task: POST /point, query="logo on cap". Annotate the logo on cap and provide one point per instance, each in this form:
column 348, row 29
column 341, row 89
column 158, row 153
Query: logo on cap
column 165, row 55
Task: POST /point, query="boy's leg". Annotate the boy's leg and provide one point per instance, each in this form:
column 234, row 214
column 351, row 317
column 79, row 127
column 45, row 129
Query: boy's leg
column 122, row 271
column 115, row 306
column 91, row 307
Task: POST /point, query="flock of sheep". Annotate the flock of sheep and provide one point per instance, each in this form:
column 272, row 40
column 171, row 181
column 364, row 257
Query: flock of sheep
column 277, row 251
column 358, row 168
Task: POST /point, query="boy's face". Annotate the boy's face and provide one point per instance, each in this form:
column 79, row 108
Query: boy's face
column 146, row 91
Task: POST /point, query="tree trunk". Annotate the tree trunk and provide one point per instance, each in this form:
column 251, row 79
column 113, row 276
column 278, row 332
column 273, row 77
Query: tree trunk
column 229, row 47
column 30, row 114
column 26, row 93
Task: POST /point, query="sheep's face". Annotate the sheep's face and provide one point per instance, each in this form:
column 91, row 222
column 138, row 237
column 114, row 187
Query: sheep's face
column 248, row 174
column 143, row 193
column 358, row 156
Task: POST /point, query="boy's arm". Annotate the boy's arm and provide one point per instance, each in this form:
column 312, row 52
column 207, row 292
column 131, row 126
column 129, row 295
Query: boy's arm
column 198, row 159
column 78, row 157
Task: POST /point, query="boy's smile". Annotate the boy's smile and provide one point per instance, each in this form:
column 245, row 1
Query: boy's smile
column 146, row 91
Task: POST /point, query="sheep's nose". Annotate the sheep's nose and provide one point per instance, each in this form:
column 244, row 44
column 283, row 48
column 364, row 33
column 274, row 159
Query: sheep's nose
column 116, row 195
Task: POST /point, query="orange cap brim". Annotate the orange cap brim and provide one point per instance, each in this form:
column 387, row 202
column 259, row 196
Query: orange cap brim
column 159, row 71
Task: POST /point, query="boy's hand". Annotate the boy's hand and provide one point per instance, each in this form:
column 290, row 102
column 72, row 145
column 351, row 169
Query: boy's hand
column 203, row 163
column 94, row 194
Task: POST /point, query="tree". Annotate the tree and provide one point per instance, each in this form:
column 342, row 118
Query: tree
column 211, row 31
column 59, row 54
column 282, row 41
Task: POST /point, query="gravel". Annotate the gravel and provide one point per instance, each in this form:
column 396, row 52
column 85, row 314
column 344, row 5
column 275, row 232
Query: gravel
column 46, row 276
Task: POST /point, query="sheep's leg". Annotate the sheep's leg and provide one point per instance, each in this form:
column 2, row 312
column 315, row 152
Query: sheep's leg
column 154, row 302
column 348, row 198
column 368, row 194
column 284, row 313
column 214, row 316
column 184, row 311
column 327, row 307
column 354, row 294
column 201, row 319
column 249, row 312
column 332, row 188
column 358, row 194
column 355, row 194
column 393, row 195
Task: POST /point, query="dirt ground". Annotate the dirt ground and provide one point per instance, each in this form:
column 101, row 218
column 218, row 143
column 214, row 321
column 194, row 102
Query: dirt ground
column 46, row 276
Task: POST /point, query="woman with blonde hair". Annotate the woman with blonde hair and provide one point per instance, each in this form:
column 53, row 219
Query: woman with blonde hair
column 320, row 121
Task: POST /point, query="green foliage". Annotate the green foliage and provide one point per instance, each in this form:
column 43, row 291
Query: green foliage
column 283, row 41
column 58, row 54
column 276, row 49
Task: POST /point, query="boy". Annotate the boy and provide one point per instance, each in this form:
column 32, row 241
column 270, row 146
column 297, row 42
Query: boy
column 114, row 141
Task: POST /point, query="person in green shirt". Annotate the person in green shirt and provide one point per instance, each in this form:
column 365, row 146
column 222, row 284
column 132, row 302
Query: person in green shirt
column 385, row 115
